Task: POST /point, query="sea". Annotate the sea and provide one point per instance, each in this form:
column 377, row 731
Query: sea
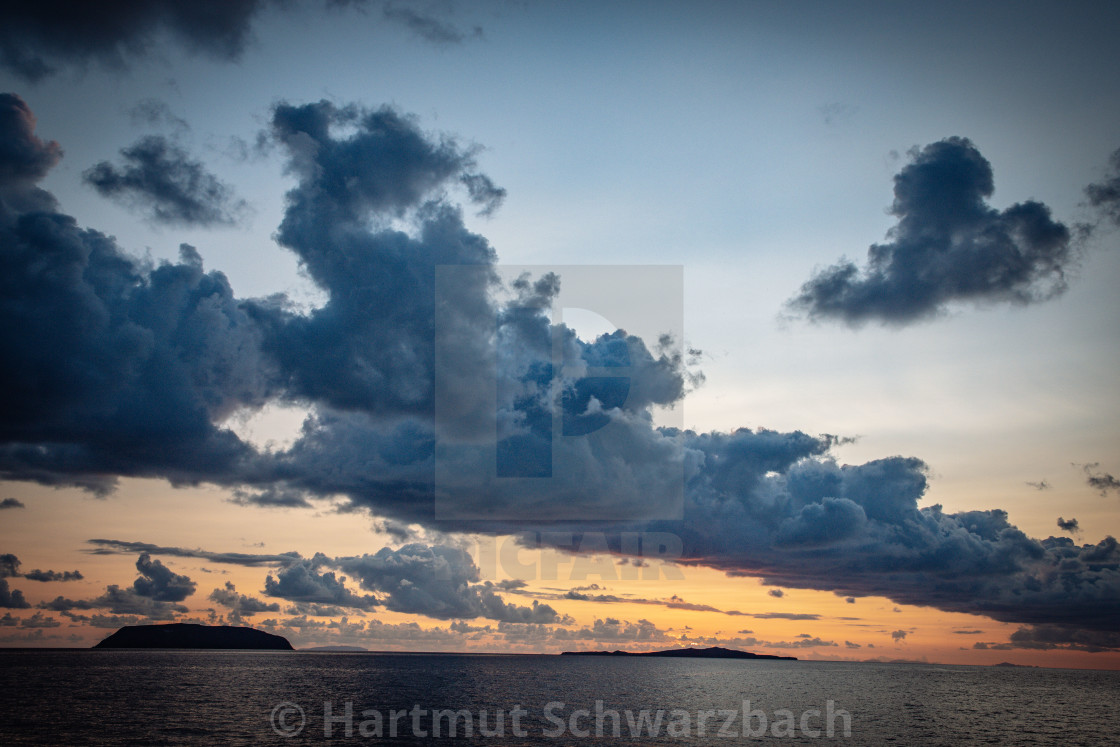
column 147, row 697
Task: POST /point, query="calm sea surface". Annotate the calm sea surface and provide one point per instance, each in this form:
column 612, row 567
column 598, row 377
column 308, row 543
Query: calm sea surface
column 251, row 698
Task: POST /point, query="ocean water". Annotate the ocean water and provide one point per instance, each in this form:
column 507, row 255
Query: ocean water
column 120, row 697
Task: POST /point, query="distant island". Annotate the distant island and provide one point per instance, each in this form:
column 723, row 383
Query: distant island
column 715, row 652
column 193, row 636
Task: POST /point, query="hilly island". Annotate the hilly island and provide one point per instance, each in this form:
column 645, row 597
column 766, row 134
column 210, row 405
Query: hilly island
column 193, row 636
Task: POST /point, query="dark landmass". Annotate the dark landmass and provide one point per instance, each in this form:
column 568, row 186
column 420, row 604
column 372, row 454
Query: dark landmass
column 1019, row 666
column 715, row 652
column 190, row 635
column 338, row 649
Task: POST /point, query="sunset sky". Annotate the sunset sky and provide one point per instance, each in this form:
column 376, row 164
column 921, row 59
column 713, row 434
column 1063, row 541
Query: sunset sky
column 267, row 359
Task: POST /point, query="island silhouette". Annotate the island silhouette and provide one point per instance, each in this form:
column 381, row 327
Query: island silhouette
column 714, row 652
column 194, row 636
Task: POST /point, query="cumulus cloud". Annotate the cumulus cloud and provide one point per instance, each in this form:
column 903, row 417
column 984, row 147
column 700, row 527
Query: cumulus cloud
column 437, row 581
column 24, row 158
column 949, row 246
column 159, row 582
column 11, row 503
column 160, row 180
column 11, row 598
column 240, row 604
column 301, row 581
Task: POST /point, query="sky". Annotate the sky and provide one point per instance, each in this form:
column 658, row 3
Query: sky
column 529, row 326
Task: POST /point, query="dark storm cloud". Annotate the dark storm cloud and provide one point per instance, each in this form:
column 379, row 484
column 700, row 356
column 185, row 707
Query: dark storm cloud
column 973, row 561
column 11, row 503
column 160, row 180
column 9, row 565
column 1046, row 637
column 112, row 366
column 1068, row 525
column 39, row 36
column 158, row 582
column 1105, row 195
column 24, row 158
column 949, row 246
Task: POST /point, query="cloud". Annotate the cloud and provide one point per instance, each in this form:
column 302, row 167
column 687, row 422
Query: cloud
column 427, row 26
column 1069, row 525
column 9, row 565
column 156, row 113
column 240, row 604
column 899, row 635
column 1047, row 637
column 11, row 503
column 302, row 582
column 119, row 602
column 161, row 181
column 153, row 595
column 9, row 568
column 1101, row 481
column 949, row 246
column 1105, row 195
column 38, row 575
column 11, row 599
column 113, row 366
column 108, row 546
column 804, row 641
column 158, row 582
column 24, row 158
column 1040, row 485
column 37, row 38
column 39, row 620
column 437, row 581
column 776, row 593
